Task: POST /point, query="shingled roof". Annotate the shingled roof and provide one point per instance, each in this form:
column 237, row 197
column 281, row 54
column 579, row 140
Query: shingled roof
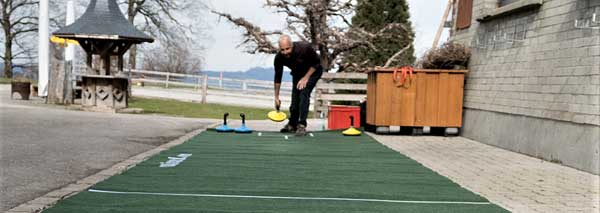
column 103, row 20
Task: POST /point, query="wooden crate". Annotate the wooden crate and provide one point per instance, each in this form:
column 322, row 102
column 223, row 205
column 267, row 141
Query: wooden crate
column 433, row 98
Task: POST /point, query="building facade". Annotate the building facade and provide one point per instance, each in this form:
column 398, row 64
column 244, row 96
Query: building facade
column 534, row 80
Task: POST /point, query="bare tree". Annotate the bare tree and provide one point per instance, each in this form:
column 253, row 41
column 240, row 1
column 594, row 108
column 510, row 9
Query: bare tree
column 168, row 21
column 19, row 21
column 172, row 58
column 323, row 23
column 20, row 25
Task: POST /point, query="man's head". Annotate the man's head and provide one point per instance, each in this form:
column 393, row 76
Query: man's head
column 285, row 45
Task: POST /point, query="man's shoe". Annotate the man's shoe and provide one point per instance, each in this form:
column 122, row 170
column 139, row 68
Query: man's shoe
column 301, row 130
column 288, row 129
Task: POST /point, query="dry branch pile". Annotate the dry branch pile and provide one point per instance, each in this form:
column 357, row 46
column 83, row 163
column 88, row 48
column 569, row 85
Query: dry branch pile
column 449, row 56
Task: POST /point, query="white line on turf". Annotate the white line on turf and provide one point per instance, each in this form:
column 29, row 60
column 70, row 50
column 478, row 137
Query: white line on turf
column 260, row 134
column 291, row 198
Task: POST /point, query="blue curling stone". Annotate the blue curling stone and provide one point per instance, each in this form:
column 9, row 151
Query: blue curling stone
column 224, row 128
column 243, row 129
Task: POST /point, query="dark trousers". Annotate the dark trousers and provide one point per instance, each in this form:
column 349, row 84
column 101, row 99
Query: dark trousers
column 301, row 99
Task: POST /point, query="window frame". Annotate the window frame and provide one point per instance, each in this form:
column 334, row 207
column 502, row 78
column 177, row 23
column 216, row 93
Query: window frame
column 514, row 7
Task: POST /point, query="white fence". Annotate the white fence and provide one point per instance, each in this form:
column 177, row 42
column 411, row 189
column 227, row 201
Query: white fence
column 198, row 81
column 325, row 92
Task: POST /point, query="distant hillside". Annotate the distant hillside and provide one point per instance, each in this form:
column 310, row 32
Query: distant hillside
column 256, row 73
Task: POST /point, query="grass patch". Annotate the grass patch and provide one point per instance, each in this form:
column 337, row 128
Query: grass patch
column 8, row 80
column 196, row 110
column 5, row 80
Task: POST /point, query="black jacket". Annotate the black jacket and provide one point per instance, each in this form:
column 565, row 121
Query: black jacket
column 302, row 58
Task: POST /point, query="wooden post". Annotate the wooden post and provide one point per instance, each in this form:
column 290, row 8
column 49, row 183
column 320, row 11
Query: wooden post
column 56, row 83
column 120, row 63
column 167, row 81
column 68, row 85
column 204, row 87
column 244, row 86
column 88, row 60
column 441, row 28
column 129, row 83
column 106, row 68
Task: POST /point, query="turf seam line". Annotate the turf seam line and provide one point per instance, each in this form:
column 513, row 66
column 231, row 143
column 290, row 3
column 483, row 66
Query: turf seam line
column 290, row 198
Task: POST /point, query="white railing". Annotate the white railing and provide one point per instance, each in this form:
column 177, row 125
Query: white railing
column 241, row 85
column 325, row 92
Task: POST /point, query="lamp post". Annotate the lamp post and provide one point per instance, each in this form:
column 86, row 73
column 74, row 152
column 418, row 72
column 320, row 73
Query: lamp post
column 70, row 51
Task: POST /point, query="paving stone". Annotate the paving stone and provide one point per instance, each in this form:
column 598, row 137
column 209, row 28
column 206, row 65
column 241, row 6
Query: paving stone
column 517, row 182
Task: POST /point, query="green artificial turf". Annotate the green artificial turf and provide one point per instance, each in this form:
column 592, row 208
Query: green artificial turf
column 327, row 165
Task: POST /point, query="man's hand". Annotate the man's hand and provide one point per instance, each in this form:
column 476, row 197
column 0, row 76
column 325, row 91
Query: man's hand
column 277, row 103
column 302, row 83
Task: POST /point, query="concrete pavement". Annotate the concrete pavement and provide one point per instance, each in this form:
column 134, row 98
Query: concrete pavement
column 514, row 181
column 45, row 148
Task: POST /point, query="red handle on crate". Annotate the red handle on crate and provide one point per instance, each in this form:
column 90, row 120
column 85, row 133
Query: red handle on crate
column 404, row 71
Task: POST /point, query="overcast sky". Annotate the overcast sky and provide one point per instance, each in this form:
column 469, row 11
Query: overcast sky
column 223, row 54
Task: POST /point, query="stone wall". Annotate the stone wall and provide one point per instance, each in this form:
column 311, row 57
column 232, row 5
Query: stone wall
column 536, row 67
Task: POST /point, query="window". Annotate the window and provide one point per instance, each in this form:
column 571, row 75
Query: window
column 465, row 10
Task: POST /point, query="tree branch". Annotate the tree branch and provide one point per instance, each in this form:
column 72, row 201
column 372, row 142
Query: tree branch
column 254, row 34
column 393, row 58
column 311, row 21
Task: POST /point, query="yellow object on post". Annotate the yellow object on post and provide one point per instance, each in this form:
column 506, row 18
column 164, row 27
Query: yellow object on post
column 63, row 41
